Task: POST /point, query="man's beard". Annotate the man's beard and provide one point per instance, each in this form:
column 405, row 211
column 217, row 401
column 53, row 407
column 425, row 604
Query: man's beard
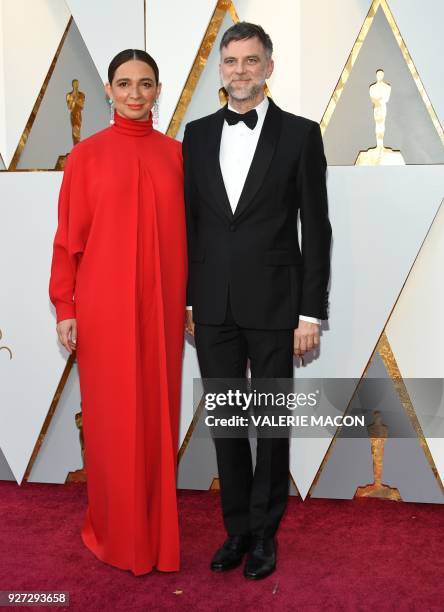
column 246, row 94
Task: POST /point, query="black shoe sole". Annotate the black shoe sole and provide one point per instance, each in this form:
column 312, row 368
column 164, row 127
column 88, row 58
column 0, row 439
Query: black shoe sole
column 225, row 568
column 253, row 577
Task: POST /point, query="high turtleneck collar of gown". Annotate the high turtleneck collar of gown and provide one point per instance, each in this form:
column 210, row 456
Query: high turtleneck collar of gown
column 131, row 127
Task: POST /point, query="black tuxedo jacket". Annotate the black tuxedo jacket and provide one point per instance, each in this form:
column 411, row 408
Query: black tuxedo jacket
column 255, row 253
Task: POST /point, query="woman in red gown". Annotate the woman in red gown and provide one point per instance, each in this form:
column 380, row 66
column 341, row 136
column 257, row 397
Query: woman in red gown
column 118, row 284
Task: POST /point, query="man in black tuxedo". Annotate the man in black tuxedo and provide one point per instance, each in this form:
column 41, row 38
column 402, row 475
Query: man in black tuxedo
column 253, row 292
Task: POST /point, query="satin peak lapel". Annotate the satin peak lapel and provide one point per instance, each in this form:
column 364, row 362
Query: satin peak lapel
column 214, row 173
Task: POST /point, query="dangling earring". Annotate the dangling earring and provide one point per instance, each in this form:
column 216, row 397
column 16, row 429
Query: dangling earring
column 155, row 111
column 111, row 111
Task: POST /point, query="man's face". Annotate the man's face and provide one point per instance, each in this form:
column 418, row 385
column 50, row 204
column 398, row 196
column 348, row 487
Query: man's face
column 244, row 67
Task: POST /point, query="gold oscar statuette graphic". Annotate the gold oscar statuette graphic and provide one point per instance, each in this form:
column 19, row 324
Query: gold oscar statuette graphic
column 5, row 348
column 378, row 434
column 75, row 100
column 79, row 475
column 380, row 155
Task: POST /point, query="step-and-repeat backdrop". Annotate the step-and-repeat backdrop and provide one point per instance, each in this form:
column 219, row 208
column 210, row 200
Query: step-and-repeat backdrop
column 371, row 74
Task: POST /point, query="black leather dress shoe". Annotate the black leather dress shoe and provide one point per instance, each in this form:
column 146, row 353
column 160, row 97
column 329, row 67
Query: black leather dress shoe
column 261, row 560
column 230, row 554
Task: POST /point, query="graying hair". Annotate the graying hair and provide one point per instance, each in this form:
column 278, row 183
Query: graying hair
column 244, row 30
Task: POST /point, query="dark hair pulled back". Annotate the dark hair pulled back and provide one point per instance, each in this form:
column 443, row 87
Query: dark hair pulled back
column 128, row 55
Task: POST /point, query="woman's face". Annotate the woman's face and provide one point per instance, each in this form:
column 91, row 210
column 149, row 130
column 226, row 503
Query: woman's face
column 133, row 90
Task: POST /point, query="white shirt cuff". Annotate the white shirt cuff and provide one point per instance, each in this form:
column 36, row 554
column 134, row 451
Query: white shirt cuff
column 302, row 317
column 310, row 319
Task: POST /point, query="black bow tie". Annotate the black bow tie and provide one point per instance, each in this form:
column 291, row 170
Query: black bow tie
column 250, row 118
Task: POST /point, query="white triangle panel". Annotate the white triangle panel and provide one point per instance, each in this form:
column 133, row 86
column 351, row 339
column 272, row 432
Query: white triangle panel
column 285, row 33
column 60, row 452
column 377, row 232
column 420, row 24
column 31, row 33
column 28, row 208
column 175, row 30
column 420, row 305
column 306, row 455
column 313, row 39
column 416, row 335
column 108, row 28
column 328, row 31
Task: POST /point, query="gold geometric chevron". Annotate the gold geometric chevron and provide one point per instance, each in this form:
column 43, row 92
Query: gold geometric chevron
column 200, row 61
column 203, row 53
column 191, row 428
column 197, row 68
column 385, row 352
column 233, row 13
column 35, row 110
column 338, row 430
column 190, row 85
column 13, row 168
column 383, row 348
column 382, row 341
column 354, row 54
column 391, row 366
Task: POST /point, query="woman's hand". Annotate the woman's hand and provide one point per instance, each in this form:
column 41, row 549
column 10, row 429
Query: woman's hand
column 189, row 323
column 67, row 332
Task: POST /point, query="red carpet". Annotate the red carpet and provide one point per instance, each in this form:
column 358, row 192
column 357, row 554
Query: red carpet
column 367, row 554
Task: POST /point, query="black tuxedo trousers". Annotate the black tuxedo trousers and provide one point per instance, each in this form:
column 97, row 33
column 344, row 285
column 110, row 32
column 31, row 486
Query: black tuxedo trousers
column 252, row 501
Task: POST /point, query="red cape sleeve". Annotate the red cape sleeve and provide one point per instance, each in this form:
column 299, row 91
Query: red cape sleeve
column 68, row 241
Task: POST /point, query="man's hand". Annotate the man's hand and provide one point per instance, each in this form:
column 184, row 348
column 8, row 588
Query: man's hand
column 189, row 323
column 67, row 332
column 306, row 337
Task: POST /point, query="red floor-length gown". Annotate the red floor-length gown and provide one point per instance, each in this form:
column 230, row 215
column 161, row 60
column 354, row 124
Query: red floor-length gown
column 119, row 267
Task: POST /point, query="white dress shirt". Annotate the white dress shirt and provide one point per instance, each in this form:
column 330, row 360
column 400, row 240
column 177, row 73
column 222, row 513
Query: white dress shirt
column 237, row 146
